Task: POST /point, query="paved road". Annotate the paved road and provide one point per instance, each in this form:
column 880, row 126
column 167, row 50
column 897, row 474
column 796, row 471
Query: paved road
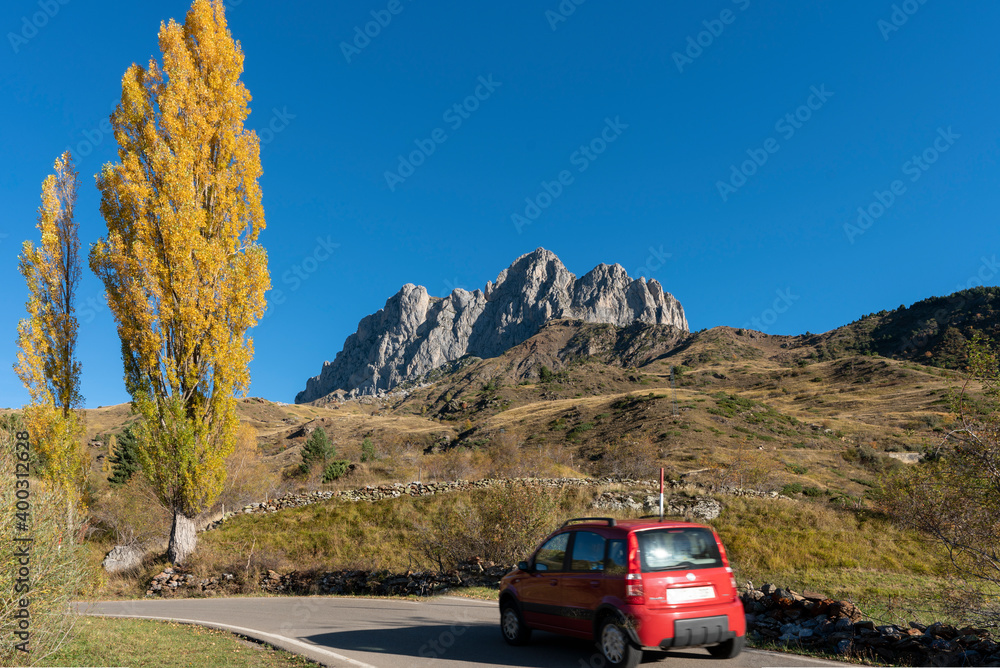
column 387, row 633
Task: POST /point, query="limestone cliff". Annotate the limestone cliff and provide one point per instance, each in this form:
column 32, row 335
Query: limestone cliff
column 416, row 333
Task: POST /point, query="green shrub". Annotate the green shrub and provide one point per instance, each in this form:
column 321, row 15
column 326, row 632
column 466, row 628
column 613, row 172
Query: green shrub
column 870, row 458
column 579, row 429
column 501, row 524
column 368, row 450
column 791, row 489
column 335, row 469
column 812, row 491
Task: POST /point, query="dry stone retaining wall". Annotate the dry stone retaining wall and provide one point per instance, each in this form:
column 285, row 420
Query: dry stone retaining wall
column 817, row 623
column 473, row 573
column 373, row 493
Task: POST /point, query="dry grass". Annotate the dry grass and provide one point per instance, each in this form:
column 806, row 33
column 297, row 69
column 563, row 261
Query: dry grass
column 766, row 538
column 134, row 642
column 816, row 412
column 805, row 544
column 803, row 420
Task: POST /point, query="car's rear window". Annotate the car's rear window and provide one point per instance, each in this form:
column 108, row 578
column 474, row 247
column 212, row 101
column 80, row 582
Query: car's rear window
column 678, row 549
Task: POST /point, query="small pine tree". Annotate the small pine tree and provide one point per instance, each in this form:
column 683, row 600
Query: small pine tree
column 335, row 470
column 368, row 450
column 125, row 462
column 317, row 449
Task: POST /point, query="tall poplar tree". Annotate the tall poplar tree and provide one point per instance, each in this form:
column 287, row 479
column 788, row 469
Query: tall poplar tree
column 46, row 358
column 184, row 275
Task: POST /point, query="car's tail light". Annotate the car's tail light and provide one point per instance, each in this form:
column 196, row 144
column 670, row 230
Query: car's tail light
column 732, row 581
column 722, row 548
column 633, row 579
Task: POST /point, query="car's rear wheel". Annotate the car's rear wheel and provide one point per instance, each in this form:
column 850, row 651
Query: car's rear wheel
column 512, row 625
column 615, row 645
column 728, row 649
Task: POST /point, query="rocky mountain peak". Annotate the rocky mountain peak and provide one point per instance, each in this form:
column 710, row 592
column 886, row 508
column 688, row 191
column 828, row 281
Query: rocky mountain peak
column 415, row 333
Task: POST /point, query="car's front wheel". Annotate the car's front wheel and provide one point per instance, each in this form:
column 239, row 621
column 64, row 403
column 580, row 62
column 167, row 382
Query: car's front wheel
column 615, row 645
column 728, row 649
column 512, row 625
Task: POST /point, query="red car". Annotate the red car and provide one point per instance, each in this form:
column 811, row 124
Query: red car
column 629, row 585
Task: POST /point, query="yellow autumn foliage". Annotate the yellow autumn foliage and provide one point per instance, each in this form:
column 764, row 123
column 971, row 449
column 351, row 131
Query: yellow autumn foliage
column 46, row 358
column 184, row 275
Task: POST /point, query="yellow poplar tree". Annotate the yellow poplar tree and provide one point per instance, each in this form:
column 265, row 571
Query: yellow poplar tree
column 46, row 358
column 184, row 275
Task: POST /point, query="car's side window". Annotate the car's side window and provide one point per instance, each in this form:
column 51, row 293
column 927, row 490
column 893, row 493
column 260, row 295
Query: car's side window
column 588, row 552
column 617, row 558
column 552, row 555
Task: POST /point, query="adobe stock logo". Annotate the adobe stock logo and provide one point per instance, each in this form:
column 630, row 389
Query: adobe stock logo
column 452, row 284
column 562, row 13
column 657, row 258
column 37, row 21
column 696, row 44
column 363, row 36
column 92, row 138
column 300, row 272
column 454, row 116
column 278, row 122
column 786, row 126
column 915, row 167
column 899, row 17
column 582, row 159
column 769, row 316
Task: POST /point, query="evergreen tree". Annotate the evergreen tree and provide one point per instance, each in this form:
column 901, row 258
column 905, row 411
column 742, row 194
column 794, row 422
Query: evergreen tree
column 125, row 462
column 317, row 449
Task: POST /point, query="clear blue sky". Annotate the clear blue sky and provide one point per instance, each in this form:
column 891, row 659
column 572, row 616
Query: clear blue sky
column 866, row 92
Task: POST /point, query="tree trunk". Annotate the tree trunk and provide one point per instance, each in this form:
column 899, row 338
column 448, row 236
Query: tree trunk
column 182, row 538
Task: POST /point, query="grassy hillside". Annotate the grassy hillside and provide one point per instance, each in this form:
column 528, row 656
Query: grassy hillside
column 807, row 544
column 934, row 331
column 570, row 402
column 817, row 417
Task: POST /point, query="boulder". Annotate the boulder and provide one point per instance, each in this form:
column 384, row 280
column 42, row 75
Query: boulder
column 122, row 557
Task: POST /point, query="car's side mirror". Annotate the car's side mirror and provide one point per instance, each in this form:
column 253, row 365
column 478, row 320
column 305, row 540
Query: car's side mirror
column 524, row 566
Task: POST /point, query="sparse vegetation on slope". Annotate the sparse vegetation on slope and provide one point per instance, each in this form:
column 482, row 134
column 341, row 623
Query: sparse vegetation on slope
column 726, row 408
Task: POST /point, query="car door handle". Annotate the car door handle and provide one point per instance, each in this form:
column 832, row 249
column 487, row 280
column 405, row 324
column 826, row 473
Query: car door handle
column 553, row 582
column 595, row 583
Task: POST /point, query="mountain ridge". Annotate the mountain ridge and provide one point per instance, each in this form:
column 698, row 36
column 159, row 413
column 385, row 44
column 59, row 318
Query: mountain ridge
column 415, row 333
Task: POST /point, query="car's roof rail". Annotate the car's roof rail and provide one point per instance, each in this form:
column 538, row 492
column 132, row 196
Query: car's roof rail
column 610, row 520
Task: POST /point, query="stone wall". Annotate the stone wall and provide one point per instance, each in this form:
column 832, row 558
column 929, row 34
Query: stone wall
column 176, row 582
column 373, row 493
column 816, row 623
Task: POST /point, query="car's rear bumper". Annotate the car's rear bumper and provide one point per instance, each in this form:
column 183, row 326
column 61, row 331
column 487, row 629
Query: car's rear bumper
column 696, row 627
